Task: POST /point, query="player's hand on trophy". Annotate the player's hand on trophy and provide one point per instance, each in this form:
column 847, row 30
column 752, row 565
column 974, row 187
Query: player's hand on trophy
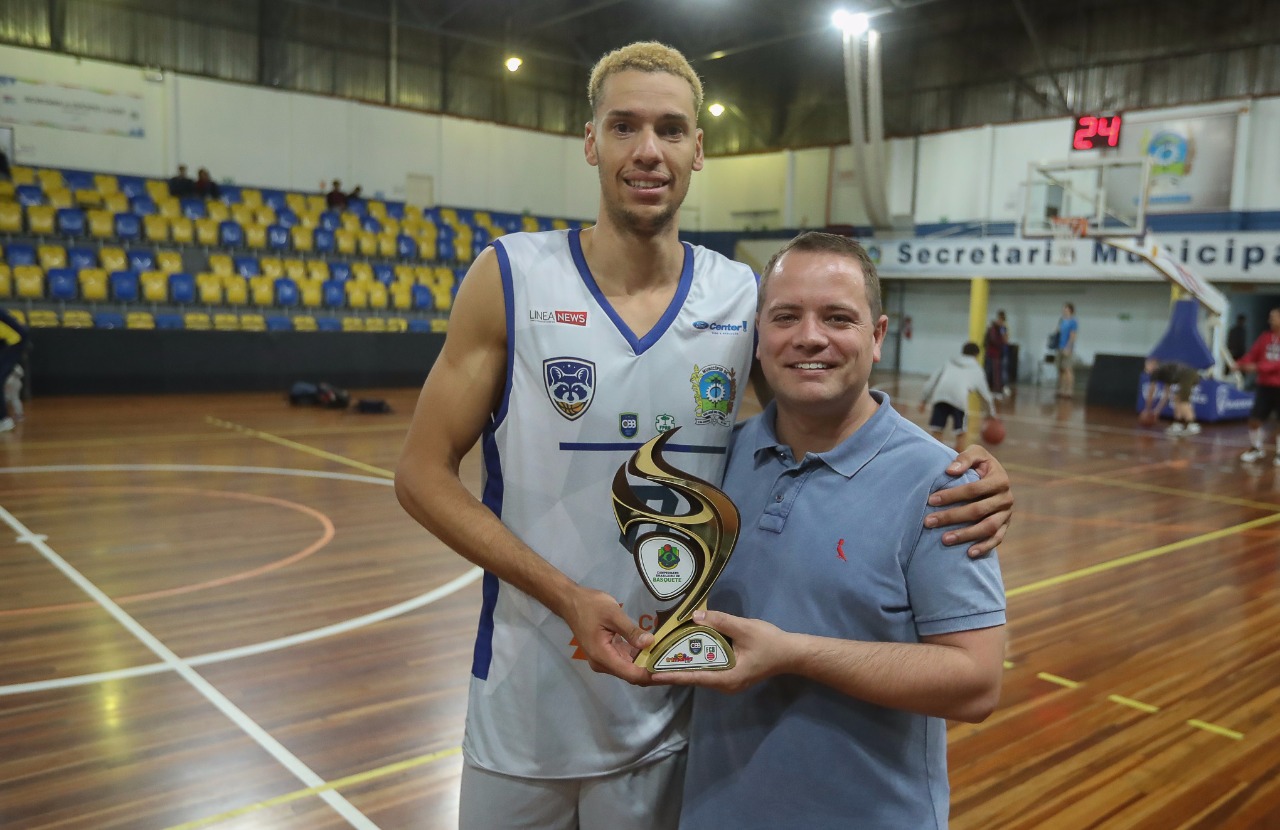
column 760, row 647
column 608, row 637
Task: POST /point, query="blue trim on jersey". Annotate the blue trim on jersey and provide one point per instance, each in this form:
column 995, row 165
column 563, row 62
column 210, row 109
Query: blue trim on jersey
column 509, row 307
column 604, row 446
column 638, row 344
column 482, row 655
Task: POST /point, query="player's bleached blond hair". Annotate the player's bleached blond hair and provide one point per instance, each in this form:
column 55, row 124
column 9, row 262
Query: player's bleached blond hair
column 645, row 56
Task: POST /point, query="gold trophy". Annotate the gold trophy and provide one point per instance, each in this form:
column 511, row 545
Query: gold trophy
column 677, row 556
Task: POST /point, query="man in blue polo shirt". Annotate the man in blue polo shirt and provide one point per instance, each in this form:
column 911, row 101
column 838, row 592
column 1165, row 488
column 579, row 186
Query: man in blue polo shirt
column 856, row 633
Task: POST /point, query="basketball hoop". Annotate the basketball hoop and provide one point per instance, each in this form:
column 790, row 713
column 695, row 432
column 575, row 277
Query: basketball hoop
column 1066, row 230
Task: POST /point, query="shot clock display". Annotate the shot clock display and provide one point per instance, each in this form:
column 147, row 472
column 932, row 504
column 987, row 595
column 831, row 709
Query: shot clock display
column 1096, row 132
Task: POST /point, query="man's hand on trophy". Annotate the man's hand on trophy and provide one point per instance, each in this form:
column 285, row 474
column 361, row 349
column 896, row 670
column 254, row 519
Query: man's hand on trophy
column 760, row 647
column 609, row 638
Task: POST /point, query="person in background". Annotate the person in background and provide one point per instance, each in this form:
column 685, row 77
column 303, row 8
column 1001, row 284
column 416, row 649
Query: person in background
column 13, row 343
column 1068, row 327
column 337, row 200
column 182, row 186
column 947, row 391
column 1264, row 358
column 996, row 346
column 1170, row 374
column 205, row 187
column 1237, row 339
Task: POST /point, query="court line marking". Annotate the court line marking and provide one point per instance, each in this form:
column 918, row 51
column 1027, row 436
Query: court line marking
column 206, row 689
column 398, row 609
column 183, row 437
column 296, row 795
column 1148, row 488
column 1134, row 704
column 294, row 445
column 1217, row 730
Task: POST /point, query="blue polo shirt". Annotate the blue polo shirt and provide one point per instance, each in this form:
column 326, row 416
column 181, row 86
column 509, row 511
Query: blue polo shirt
column 834, row 545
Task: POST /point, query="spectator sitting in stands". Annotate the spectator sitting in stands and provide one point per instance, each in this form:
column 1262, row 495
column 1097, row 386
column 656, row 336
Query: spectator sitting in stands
column 205, row 187
column 182, row 185
column 336, row 199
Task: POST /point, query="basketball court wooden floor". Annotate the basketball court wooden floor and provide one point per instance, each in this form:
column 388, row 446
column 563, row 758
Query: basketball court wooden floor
column 215, row 614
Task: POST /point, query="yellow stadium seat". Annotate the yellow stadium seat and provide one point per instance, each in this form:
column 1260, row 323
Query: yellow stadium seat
column 296, row 202
column 316, row 203
column 358, row 294
column 116, row 202
column 387, row 246
column 350, row 222
column 221, row 264
column 216, row 210
column 169, row 207
column 158, row 190
column 424, row 275
column 50, row 178
column 207, row 232
column 397, row 324
column 22, row 175
column 375, row 324
column 87, row 198
column 93, row 284
column 102, row 224
column 42, row 318
column 28, row 282
column 410, row 226
column 404, row 273
column 427, row 248
column 8, row 191
column 52, row 256
column 242, row 213
column 295, row 269
column 106, row 183
column 412, row 212
column 139, row 320
column 402, row 296
column 444, row 300
column 376, row 208
column 252, row 322
column 440, row 325
column 113, row 259
column 209, row 287
column 10, row 217
column 226, row 322
column 77, row 318
column 40, row 219
column 6, row 281
column 345, row 241
column 196, row 321
column 304, row 322
column 529, row 224
column 271, row 267
column 182, row 230
column 302, row 239
column 169, row 261
column 156, row 228
column 362, row 272
column 18, row 314
column 263, row 290
column 353, row 324
column 155, row 286
column 264, row 215
column 377, row 295
column 559, row 225
column 317, row 269
column 441, row 277
column 312, row 292
column 250, row 196
column 236, row 289
column 255, row 236
column 449, row 215
column 390, row 225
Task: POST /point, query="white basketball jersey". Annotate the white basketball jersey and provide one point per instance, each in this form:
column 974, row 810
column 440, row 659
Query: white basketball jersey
column 583, row 392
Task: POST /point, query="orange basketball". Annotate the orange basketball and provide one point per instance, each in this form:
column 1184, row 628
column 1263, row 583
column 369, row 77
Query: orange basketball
column 993, row 431
column 1147, row 418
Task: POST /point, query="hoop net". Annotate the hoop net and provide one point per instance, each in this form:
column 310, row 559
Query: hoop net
column 1066, row 230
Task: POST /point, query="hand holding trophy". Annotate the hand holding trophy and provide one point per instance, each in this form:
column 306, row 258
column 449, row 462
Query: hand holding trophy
column 678, row 556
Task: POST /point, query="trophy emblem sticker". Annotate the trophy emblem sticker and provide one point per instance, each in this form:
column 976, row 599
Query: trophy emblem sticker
column 679, row 556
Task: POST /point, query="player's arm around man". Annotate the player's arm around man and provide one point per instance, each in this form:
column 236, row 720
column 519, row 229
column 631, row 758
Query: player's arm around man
column 456, row 402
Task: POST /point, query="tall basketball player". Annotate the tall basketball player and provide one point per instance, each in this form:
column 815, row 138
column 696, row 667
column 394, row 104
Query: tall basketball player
column 566, row 350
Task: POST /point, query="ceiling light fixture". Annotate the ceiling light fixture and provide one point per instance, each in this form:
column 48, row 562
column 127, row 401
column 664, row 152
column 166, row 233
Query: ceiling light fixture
column 854, row 24
column 513, row 63
column 716, row 110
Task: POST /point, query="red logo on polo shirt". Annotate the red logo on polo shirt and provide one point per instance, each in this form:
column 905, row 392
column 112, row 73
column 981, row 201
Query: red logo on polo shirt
column 840, row 550
column 573, row 318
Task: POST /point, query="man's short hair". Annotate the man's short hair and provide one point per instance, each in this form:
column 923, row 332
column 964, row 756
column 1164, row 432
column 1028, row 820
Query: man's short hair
column 828, row 243
column 1071, row 307
column 971, row 349
column 645, row 56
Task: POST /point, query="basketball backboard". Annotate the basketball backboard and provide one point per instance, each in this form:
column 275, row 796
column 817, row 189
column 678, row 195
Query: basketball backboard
column 1101, row 197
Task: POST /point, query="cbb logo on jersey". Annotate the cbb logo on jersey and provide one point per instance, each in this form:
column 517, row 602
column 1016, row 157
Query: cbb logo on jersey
column 570, row 383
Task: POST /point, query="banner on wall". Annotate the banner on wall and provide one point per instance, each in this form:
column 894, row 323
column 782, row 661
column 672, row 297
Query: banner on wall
column 75, row 108
column 1191, row 159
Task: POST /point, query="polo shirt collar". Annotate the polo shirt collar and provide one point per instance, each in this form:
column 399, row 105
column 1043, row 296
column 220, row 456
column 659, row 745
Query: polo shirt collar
column 848, row 456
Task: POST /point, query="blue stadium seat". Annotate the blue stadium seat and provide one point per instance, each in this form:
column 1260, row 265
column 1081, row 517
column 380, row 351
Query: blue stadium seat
column 182, row 289
column 132, row 186
column 274, row 199
column 322, row 241
column 279, row 322
column 279, row 238
column 406, row 246
column 286, row 292
column 29, row 195
column 480, row 240
column 395, row 210
column 143, row 205
column 70, row 222
column 422, row 298
column 335, row 294
column 20, row 254
column 371, row 224
column 127, row 225
column 340, row 271
column 194, row 209
column 78, row 180
column 420, row 326
column 230, row 193
column 230, row 234
column 384, row 273
column 124, row 286
column 328, row 324
column 63, row 283
column 108, row 320
column 78, row 258
column 247, row 266
column 545, row 223
column 330, row 221
column 140, row 259
column 444, row 248
column 286, row 218
column 168, row 320
column 358, row 207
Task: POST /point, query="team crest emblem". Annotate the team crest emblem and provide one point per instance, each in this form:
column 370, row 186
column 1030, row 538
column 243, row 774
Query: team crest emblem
column 664, row 422
column 714, row 388
column 571, row 384
column 695, row 645
column 629, row 424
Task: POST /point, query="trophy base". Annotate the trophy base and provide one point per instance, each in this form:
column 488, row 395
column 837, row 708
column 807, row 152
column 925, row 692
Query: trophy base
column 689, row 648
